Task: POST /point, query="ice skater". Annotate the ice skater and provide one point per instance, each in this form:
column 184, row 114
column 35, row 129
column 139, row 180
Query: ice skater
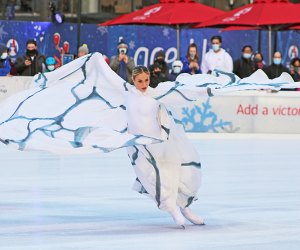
column 168, row 172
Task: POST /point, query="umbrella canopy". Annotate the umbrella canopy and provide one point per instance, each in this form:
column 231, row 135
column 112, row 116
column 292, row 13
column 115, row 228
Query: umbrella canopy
column 168, row 12
column 263, row 13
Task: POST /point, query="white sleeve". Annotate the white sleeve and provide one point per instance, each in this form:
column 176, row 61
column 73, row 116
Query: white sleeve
column 228, row 62
column 204, row 66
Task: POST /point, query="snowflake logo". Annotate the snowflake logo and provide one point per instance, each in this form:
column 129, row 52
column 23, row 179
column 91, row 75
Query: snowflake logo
column 102, row 30
column 2, row 32
column 204, row 120
column 131, row 44
column 166, row 32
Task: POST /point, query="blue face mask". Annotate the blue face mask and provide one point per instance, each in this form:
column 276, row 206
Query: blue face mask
column 247, row 55
column 215, row 47
column 277, row 61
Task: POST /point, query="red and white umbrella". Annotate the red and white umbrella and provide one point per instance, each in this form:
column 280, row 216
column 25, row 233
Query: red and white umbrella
column 168, row 12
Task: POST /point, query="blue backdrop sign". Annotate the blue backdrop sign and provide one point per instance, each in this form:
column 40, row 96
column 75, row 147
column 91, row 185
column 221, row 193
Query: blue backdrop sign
column 143, row 41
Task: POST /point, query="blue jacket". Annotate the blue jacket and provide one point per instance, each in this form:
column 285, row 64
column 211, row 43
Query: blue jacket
column 4, row 67
column 186, row 67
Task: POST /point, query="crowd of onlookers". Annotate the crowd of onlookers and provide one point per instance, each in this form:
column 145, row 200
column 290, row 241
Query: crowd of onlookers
column 32, row 62
column 216, row 58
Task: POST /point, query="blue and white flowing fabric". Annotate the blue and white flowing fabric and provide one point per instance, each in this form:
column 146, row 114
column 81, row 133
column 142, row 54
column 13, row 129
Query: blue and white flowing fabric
column 84, row 107
column 80, row 106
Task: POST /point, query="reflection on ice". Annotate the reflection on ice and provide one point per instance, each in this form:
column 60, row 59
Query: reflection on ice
column 249, row 199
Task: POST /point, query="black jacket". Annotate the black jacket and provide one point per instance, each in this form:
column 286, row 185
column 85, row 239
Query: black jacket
column 274, row 70
column 244, row 67
column 37, row 65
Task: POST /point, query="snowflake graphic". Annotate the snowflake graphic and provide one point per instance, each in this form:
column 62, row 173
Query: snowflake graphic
column 131, row 44
column 204, row 120
column 39, row 33
column 102, row 30
column 2, row 32
column 166, row 32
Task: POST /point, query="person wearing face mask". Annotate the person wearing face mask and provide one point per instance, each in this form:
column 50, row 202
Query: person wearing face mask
column 259, row 60
column 122, row 64
column 191, row 60
column 244, row 66
column 4, row 61
column 50, row 64
column 216, row 58
column 276, row 68
column 157, row 75
column 32, row 62
column 177, row 66
column 295, row 69
column 160, row 59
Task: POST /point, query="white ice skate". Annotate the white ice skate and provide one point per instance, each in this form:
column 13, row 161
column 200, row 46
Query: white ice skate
column 189, row 215
column 178, row 217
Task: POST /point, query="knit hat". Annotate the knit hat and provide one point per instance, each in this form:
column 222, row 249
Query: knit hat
column 160, row 53
column 84, row 49
column 122, row 42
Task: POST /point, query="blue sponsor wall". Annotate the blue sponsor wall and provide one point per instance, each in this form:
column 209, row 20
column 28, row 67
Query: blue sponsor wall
column 144, row 41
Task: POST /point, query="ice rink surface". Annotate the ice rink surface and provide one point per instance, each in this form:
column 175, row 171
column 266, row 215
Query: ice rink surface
column 250, row 199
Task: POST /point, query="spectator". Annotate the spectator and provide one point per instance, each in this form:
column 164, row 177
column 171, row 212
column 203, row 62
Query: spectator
column 4, row 60
column 216, row 58
column 32, row 62
column 295, row 69
column 191, row 60
column 176, row 70
column 50, row 64
column 244, row 66
column 157, row 75
column 122, row 64
column 276, row 68
column 160, row 59
column 83, row 50
column 259, row 60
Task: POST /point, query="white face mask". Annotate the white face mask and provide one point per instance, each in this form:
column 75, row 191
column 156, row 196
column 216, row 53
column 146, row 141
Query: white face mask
column 122, row 50
column 247, row 55
column 4, row 55
column 215, row 47
column 176, row 70
column 51, row 67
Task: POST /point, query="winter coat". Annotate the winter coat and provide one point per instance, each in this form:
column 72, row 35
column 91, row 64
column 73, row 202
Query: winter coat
column 274, row 70
column 37, row 65
column 115, row 65
column 244, row 67
column 4, row 67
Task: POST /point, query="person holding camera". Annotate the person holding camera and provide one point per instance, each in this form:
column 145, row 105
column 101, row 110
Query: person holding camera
column 32, row 62
column 122, row 64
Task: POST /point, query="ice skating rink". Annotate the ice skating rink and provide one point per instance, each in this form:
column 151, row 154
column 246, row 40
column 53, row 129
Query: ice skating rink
column 250, row 199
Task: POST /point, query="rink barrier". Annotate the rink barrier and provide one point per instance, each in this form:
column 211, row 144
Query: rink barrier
column 239, row 112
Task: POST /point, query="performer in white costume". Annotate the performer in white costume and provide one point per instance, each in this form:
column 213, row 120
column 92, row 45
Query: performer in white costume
column 169, row 172
column 86, row 107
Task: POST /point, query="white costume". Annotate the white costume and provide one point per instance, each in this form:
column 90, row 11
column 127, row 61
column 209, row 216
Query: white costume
column 169, row 172
column 85, row 107
column 220, row 60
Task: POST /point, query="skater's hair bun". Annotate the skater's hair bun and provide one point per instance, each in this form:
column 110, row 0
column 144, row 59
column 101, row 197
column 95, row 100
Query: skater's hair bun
column 139, row 70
